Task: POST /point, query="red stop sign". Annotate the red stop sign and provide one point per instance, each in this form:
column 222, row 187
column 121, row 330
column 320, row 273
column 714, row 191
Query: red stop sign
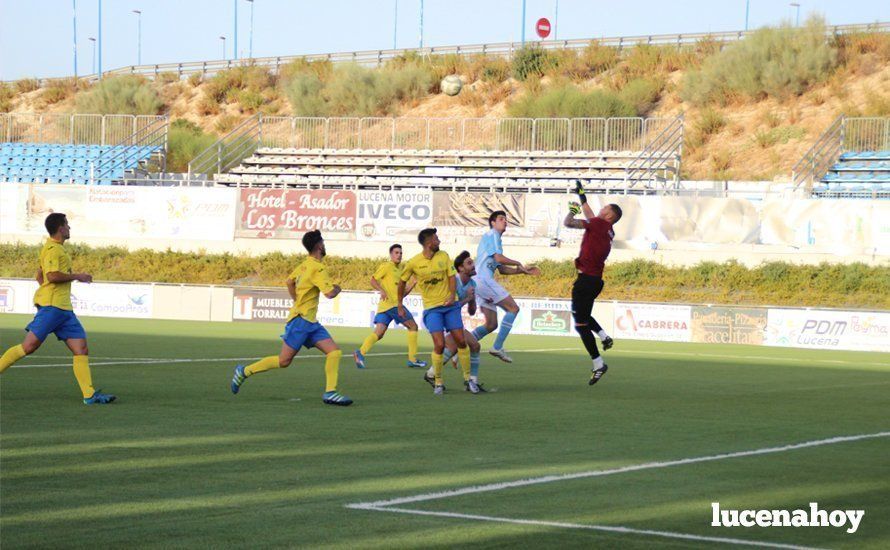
column 542, row 27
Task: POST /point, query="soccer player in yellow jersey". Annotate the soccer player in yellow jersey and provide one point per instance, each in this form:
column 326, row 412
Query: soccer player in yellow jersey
column 441, row 312
column 386, row 281
column 55, row 313
column 306, row 282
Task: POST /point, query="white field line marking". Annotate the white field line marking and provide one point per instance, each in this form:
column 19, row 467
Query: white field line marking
column 160, row 360
column 600, row 473
column 608, row 528
column 746, row 357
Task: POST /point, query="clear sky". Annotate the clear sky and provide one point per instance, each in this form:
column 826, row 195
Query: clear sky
column 36, row 35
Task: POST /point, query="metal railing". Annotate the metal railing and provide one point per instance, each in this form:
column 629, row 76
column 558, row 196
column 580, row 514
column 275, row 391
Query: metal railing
column 843, row 135
column 72, row 129
column 513, row 134
column 228, row 151
column 659, row 161
column 110, row 166
column 498, row 49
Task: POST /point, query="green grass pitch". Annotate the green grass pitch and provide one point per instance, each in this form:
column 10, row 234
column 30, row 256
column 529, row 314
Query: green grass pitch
column 179, row 461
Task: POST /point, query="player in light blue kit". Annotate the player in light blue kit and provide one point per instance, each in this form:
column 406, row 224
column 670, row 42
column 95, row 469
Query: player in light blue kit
column 466, row 295
column 490, row 295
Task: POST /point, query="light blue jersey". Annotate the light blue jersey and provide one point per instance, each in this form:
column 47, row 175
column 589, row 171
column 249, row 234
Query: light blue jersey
column 463, row 288
column 488, row 247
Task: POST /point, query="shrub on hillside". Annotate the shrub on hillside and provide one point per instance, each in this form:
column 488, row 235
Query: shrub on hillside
column 531, row 61
column 26, row 85
column 772, row 62
column 569, row 101
column 6, row 95
column 641, row 94
column 185, row 140
column 126, row 95
column 303, row 90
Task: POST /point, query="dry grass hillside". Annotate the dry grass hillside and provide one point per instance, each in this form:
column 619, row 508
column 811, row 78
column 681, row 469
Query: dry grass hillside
column 752, row 108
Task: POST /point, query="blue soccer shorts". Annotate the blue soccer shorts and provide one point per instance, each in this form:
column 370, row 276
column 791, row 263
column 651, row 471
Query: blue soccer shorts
column 301, row 333
column 61, row 322
column 392, row 314
column 442, row 318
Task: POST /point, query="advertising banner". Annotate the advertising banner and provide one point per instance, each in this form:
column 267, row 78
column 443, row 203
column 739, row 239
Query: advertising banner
column 822, row 329
column 393, row 215
column 288, row 213
column 348, row 309
column 126, row 212
column 466, row 214
column 112, row 300
column 17, row 296
column 662, row 322
column 728, row 325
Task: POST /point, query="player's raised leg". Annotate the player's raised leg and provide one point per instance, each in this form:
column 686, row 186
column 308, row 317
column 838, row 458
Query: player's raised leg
column 332, row 356
column 28, row 346
column 375, row 336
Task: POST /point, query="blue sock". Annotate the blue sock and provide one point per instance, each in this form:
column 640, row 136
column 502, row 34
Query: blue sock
column 504, row 331
column 474, row 363
column 446, row 355
column 480, row 332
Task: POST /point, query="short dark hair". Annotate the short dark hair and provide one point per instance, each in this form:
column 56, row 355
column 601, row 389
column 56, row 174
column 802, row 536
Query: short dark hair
column 311, row 240
column 460, row 259
column 393, row 247
column 617, row 209
column 425, row 234
column 494, row 215
column 54, row 221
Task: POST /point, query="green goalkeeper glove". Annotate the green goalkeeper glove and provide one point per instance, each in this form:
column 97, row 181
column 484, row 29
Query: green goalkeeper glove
column 574, row 208
column 579, row 189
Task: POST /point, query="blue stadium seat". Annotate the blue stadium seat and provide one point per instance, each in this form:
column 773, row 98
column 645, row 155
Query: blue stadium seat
column 63, row 163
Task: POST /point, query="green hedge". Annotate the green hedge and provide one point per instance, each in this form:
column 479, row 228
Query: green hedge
column 777, row 283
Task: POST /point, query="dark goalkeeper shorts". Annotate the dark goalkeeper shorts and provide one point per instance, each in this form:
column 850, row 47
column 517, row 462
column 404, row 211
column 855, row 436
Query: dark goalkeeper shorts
column 584, row 292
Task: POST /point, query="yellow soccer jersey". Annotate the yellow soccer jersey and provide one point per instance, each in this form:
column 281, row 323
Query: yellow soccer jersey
column 54, row 258
column 388, row 275
column 432, row 277
column 311, row 277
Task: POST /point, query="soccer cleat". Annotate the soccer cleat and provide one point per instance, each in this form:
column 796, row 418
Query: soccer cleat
column 501, row 354
column 479, row 388
column 431, row 380
column 471, row 386
column 597, row 374
column 607, row 343
column 359, row 359
column 99, row 398
column 417, row 364
column 438, row 390
column 238, row 378
column 336, row 398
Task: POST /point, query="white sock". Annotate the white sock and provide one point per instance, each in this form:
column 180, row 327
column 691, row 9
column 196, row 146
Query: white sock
column 474, row 379
column 598, row 363
column 602, row 334
column 430, row 372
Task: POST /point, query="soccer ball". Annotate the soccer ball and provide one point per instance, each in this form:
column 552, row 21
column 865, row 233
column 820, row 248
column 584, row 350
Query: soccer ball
column 451, row 85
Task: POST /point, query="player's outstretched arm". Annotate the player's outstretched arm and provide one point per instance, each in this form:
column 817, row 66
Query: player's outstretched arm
column 582, row 197
column 570, row 221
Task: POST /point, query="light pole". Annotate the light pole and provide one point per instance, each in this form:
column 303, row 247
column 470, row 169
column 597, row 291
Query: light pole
column 74, row 35
column 138, row 36
column 395, row 25
column 223, row 38
column 522, row 24
column 747, row 10
column 421, row 24
column 93, row 40
column 235, row 55
column 556, row 22
column 100, row 39
column 250, row 48
column 796, row 6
